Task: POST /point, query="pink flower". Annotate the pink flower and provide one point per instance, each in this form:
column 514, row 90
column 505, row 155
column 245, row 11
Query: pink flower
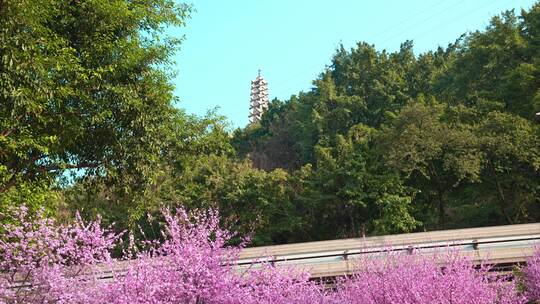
column 43, row 262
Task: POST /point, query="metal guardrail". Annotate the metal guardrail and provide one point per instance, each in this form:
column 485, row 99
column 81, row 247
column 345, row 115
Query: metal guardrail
column 498, row 245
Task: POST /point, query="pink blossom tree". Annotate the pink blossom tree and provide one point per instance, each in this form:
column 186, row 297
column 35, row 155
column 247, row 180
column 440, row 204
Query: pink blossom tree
column 194, row 265
column 531, row 277
column 43, row 262
column 423, row 279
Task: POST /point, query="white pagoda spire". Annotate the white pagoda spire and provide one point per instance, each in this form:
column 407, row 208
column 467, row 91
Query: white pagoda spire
column 259, row 98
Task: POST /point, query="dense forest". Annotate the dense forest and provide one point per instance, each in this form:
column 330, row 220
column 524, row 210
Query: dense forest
column 384, row 142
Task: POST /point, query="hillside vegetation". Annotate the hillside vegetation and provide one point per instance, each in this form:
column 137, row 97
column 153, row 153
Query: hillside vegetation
column 385, row 142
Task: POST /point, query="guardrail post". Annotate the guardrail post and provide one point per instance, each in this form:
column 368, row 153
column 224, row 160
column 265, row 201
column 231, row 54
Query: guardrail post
column 475, row 244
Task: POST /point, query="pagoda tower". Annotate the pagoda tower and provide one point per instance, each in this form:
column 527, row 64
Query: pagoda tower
column 259, row 98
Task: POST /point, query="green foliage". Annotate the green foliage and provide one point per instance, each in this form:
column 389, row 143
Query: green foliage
column 385, row 142
column 84, row 91
column 249, row 199
column 348, row 193
column 393, row 142
column 512, row 165
column 433, row 155
column 187, row 140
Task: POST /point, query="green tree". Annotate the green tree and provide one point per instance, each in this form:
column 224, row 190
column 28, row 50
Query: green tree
column 348, row 193
column 498, row 65
column 511, row 172
column 84, row 89
column 188, row 144
column 433, row 155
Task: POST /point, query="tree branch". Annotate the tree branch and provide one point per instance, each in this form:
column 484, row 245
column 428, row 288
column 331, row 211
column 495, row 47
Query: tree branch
column 6, row 133
column 9, row 184
column 44, row 169
column 57, row 167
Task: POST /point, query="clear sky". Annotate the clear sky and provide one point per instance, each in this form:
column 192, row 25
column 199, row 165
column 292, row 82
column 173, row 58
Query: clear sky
column 293, row 40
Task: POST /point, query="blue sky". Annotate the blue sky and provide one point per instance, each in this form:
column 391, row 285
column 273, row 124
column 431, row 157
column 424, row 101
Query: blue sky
column 292, row 41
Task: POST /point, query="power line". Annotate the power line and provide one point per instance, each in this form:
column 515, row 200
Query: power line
column 281, row 85
column 403, row 21
column 421, row 22
column 445, row 24
column 382, row 33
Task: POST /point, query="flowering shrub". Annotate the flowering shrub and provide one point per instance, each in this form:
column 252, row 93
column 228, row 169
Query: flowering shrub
column 48, row 257
column 419, row 280
column 186, row 268
column 42, row 262
column 531, row 276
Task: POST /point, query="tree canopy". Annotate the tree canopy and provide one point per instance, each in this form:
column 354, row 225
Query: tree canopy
column 83, row 88
column 393, row 141
column 385, row 142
